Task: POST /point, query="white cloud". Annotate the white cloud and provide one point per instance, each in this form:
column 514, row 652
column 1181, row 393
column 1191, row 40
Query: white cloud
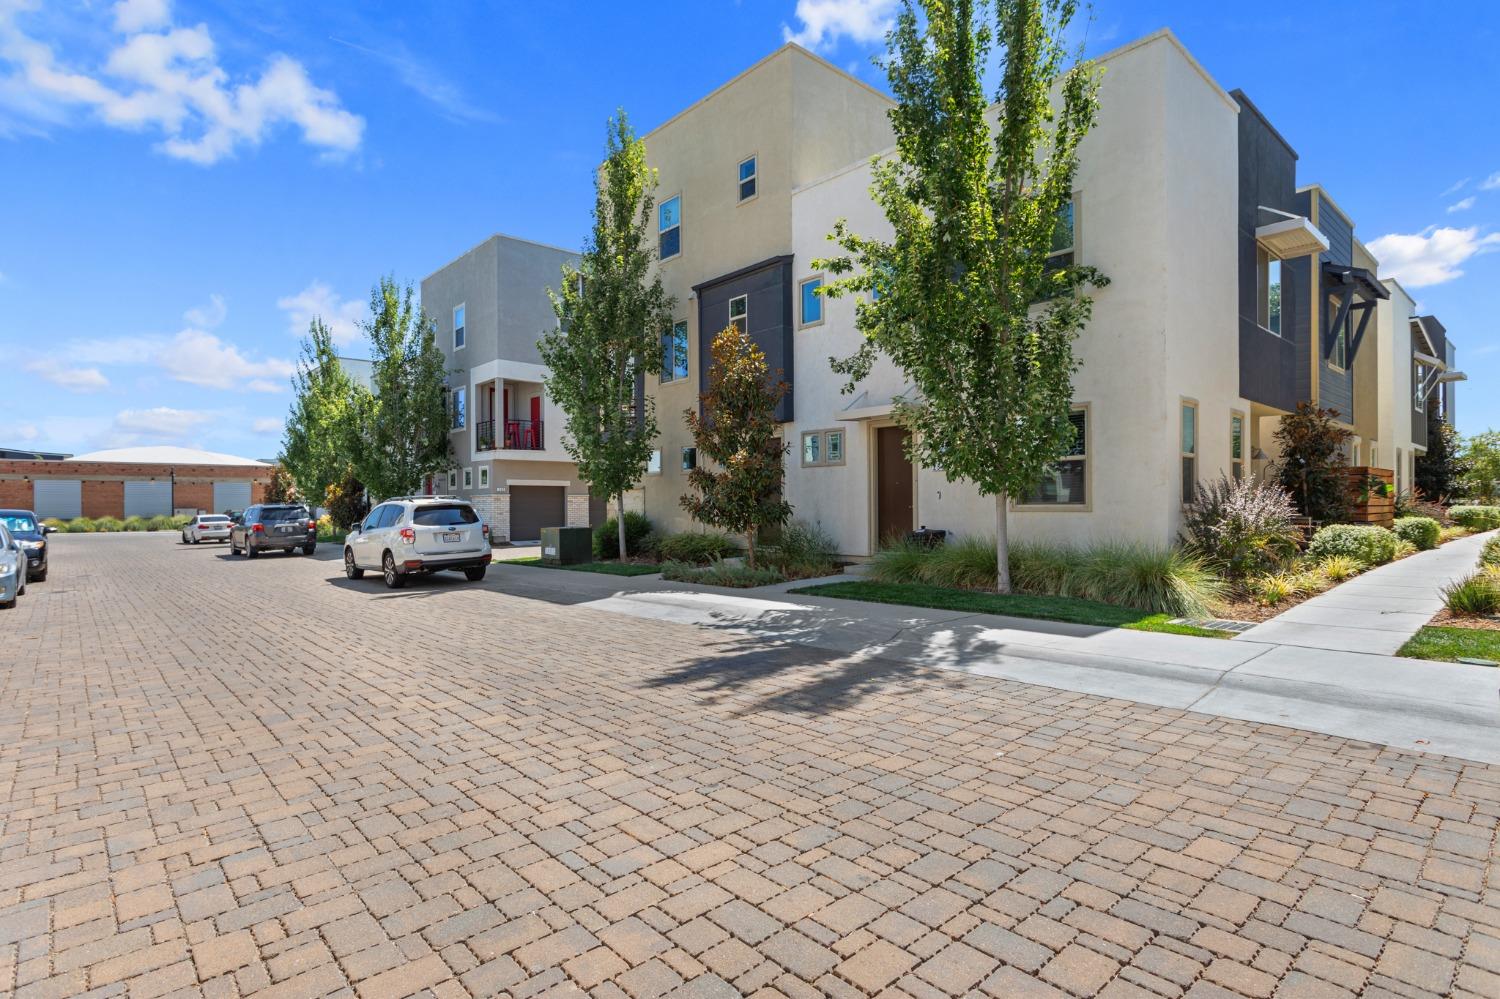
column 207, row 316
column 160, row 423
column 168, row 81
column 340, row 315
column 73, row 379
column 1432, row 256
column 427, row 82
column 1462, row 205
column 114, row 350
column 1490, row 183
column 823, row 22
column 1455, row 187
column 200, row 358
column 268, row 425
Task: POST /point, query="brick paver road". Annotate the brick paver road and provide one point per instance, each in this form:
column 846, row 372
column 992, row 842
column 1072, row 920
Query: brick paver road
column 240, row 778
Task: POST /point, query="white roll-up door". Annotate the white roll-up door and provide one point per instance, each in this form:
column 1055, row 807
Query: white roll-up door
column 231, row 496
column 148, row 499
column 60, row 498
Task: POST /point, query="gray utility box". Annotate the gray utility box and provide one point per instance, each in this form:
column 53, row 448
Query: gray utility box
column 567, row 545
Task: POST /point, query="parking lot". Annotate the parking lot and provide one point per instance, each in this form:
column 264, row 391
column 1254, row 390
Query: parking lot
column 230, row 778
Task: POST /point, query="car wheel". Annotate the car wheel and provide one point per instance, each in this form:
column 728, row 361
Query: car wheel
column 41, row 577
column 233, row 548
column 184, row 537
column 350, row 569
column 393, row 579
column 250, row 551
column 474, row 575
column 309, row 549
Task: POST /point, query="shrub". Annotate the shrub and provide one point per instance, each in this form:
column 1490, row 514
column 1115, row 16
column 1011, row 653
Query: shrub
column 1475, row 594
column 1452, row 533
column 81, row 525
column 55, row 524
column 1313, row 460
column 720, row 573
column 693, row 547
column 901, row 561
column 134, row 524
column 1272, row 589
column 1413, row 503
column 1423, row 532
column 1404, row 548
column 1490, row 555
column 1340, row 567
column 162, row 523
column 607, row 534
column 1242, row 527
column 1475, row 518
column 1366, row 543
column 803, row 551
column 107, row 524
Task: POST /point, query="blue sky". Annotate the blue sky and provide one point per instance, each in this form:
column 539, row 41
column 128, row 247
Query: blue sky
column 186, row 182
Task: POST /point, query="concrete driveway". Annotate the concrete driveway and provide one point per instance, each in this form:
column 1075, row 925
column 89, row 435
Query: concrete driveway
column 227, row 778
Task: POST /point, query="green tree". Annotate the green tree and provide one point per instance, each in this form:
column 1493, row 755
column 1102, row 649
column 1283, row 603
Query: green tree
column 611, row 317
column 1313, row 462
column 315, row 445
column 963, row 298
column 1441, row 470
column 401, row 429
column 738, row 433
column 1481, row 461
column 282, row 488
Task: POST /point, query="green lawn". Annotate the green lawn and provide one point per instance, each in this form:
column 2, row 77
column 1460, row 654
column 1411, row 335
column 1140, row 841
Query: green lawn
column 1448, row 644
column 608, row 568
column 1067, row 609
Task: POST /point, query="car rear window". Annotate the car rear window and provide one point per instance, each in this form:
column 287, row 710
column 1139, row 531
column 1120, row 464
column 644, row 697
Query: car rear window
column 444, row 516
column 216, row 519
column 282, row 514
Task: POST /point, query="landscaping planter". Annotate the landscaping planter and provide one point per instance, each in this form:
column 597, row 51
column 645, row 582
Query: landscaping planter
column 1372, row 498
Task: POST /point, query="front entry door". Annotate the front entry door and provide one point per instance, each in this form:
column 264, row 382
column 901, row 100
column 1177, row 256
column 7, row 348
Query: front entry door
column 893, row 484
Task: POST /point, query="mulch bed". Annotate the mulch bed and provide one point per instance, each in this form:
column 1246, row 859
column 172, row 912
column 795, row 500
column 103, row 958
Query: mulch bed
column 1447, row 619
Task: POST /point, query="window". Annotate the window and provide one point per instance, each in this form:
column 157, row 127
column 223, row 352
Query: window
column 1418, row 397
column 823, row 447
column 1061, row 254
column 468, row 478
column 739, row 312
column 1237, row 446
column 812, row 302
column 674, row 353
column 447, row 515
column 460, row 415
column 747, row 179
column 1189, row 446
column 1400, row 470
column 669, row 228
column 1268, row 298
column 484, row 476
column 689, row 459
column 1065, row 481
column 653, row 464
column 460, row 336
column 452, row 478
column 1338, row 358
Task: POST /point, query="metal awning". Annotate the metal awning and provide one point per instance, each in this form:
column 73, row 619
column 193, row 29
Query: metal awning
column 1361, row 281
column 1291, row 236
column 878, row 407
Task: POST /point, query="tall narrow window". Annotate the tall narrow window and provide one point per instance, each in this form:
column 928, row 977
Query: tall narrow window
column 1189, row 446
column 812, row 302
column 1339, row 356
column 739, row 312
column 460, row 409
column 674, row 353
column 1268, row 280
column 460, row 335
column 1061, row 254
column 669, row 228
column 1418, row 396
column 748, row 177
column 1237, row 446
column 1065, row 481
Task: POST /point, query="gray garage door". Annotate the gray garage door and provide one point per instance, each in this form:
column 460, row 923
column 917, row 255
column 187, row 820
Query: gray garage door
column 535, row 507
column 60, row 498
column 231, row 496
column 148, row 499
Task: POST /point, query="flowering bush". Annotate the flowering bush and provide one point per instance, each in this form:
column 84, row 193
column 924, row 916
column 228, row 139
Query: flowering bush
column 1244, row 527
column 1423, row 532
column 1367, row 543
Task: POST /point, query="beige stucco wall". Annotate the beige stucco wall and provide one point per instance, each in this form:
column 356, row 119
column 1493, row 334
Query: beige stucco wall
column 1156, row 202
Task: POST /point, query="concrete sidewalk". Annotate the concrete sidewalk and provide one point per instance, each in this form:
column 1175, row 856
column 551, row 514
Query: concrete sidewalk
column 1375, row 612
column 1409, row 704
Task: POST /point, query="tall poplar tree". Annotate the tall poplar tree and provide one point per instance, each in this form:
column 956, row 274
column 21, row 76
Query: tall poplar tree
column 314, row 444
column 612, row 314
column 962, row 298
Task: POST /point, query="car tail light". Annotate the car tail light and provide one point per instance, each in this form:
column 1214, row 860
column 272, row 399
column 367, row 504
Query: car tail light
column 408, row 535
column 312, row 525
column 484, row 529
column 259, row 528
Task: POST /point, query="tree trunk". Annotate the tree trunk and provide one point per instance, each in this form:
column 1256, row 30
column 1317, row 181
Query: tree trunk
column 750, row 547
column 1002, row 544
column 620, row 522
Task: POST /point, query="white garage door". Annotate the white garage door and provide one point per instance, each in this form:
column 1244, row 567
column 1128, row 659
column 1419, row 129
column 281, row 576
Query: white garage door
column 60, row 498
column 231, row 496
column 148, row 499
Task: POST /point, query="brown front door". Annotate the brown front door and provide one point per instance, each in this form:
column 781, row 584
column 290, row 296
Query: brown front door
column 893, row 484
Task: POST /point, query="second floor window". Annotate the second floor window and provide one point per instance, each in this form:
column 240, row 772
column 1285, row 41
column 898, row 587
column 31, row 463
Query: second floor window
column 669, row 228
column 1268, row 297
column 674, row 353
column 747, row 179
column 1418, row 397
column 460, row 335
column 739, row 312
column 812, row 302
column 460, row 410
column 1061, row 254
column 1338, row 357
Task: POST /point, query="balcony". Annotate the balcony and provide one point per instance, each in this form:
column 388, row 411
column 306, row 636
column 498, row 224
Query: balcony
column 519, row 435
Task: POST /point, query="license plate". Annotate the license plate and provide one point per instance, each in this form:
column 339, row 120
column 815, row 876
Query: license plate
column 286, row 529
column 452, row 537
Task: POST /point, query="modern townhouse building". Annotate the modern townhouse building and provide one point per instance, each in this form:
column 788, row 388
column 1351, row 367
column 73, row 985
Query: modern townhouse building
column 1235, row 293
column 490, row 307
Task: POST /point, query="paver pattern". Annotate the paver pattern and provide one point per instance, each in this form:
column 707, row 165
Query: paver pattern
column 237, row 778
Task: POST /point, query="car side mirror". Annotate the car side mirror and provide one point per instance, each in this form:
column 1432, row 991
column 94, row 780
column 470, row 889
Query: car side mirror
column 48, row 529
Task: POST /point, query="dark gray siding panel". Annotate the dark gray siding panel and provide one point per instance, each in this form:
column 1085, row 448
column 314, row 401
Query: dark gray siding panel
column 768, row 290
column 1335, row 388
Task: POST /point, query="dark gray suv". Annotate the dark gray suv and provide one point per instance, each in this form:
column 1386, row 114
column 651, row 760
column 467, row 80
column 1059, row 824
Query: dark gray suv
column 274, row 527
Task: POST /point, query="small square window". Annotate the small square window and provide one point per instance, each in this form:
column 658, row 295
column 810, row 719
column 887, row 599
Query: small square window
column 460, row 334
column 452, row 478
column 468, row 478
column 739, row 312
column 812, row 302
column 689, row 459
column 484, row 476
column 747, row 179
column 822, row 447
column 669, row 228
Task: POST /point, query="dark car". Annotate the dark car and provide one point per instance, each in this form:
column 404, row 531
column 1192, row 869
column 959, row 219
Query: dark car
column 32, row 535
column 274, row 527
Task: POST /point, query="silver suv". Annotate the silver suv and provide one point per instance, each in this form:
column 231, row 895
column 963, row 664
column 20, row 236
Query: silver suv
column 418, row 534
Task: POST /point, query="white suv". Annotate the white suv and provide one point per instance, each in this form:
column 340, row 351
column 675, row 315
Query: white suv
column 418, row 534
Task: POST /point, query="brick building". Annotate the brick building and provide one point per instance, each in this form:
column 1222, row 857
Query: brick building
column 137, row 481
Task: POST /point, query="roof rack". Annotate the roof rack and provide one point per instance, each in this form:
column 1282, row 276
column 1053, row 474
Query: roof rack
column 423, row 496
